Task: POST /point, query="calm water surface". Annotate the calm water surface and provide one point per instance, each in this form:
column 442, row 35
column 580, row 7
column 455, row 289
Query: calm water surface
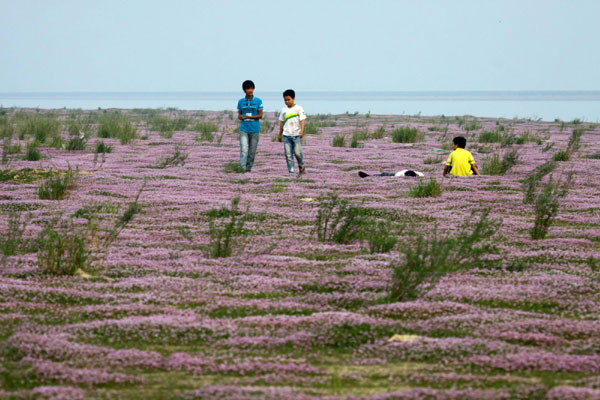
column 565, row 105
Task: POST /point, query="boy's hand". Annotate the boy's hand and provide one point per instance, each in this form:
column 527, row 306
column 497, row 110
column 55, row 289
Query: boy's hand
column 301, row 135
column 280, row 138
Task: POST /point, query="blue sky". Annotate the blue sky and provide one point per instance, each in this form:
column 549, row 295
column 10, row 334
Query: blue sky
column 321, row 45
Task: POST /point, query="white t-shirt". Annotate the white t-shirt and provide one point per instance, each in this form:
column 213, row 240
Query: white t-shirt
column 292, row 117
column 403, row 173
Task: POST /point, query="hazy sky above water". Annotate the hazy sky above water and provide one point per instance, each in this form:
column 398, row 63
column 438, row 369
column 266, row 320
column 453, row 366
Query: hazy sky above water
column 322, row 45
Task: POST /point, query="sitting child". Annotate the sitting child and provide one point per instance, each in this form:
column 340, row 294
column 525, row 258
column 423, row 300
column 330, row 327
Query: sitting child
column 404, row 172
column 460, row 162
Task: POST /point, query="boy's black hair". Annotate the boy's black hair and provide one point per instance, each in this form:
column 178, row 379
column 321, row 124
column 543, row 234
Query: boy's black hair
column 247, row 85
column 290, row 93
column 460, row 141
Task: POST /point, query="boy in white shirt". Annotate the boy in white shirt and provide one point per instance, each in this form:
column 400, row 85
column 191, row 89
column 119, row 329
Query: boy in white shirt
column 291, row 131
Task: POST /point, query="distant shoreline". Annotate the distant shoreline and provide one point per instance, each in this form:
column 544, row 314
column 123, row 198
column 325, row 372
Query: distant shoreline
column 521, row 95
column 545, row 105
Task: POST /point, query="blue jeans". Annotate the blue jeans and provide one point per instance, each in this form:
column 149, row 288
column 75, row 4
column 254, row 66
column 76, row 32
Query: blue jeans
column 292, row 146
column 248, row 145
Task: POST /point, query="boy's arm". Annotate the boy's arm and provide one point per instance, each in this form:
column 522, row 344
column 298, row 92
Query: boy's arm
column 280, row 138
column 259, row 116
column 240, row 116
column 475, row 169
column 302, row 125
column 448, row 164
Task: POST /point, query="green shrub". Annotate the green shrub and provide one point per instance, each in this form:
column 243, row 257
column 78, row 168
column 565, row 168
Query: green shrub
column 76, row 143
column 12, row 240
column 40, row 128
column 546, row 205
column 339, row 141
column 222, row 236
column 206, row 127
column 572, row 146
column 496, row 136
column 472, row 126
column 110, row 127
column 430, row 188
column 32, row 153
column 177, row 158
column 234, row 167
column 166, row 126
column 433, row 160
column 533, row 179
column 127, row 134
column 378, row 133
column 101, row 147
column 206, row 130
column 57, row 187
column 561, row 155
column 311, row 128
column 355, row 140
column 496, row 165
column 380, row 237
column 62, row 252
column 339, row 221
column 78, row 128
column 407, row 134
column 425, row 262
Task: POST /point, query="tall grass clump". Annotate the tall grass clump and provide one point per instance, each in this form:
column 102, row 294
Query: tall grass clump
column 128, row 134
column 234, row 167
column 32, row 153
column 12, row 239
column 380, row 237
column 472, row 126
column 102, row 147
column 311, row 128
column 62, row 251
column 499, row 165
column 206, row 130
column 40, row 128
column 57, row 187
column 339, row 221
column 110, row 126
column 407, row 134
column 177, row 158
column 339, row 141
column 430, row 188
column 223, row 236
column 66, row 247
column 533, row 180
column 572, row 146
column 546, row 205
column 117, row 126
column 423, row 263
column 80, row 128
column 76, row 143
column 166, row 126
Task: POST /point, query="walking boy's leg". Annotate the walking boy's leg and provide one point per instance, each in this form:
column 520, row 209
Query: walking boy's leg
column 298, row 152
column 252, row 146
column 243, row 149
column 288, row 144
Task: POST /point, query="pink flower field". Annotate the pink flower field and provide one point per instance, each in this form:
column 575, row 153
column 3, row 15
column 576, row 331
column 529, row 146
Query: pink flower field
column 153, row 315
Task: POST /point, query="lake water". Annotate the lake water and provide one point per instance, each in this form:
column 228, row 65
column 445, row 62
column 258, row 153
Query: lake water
column 545, row 105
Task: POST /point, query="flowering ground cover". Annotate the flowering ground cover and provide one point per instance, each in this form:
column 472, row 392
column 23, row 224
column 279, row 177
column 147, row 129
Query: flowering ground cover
column 285, row 315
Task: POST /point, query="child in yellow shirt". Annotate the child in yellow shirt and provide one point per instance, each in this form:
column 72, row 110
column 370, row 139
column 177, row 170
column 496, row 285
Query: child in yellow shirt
column 460, row 162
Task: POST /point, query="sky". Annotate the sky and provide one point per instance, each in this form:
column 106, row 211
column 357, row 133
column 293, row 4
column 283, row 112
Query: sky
column 323, row 45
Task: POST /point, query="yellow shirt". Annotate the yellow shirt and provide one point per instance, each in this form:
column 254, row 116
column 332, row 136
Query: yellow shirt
column 460, row 160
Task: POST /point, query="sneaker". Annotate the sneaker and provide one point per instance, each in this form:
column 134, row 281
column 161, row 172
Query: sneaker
column 362, row 174
column 302, row 171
